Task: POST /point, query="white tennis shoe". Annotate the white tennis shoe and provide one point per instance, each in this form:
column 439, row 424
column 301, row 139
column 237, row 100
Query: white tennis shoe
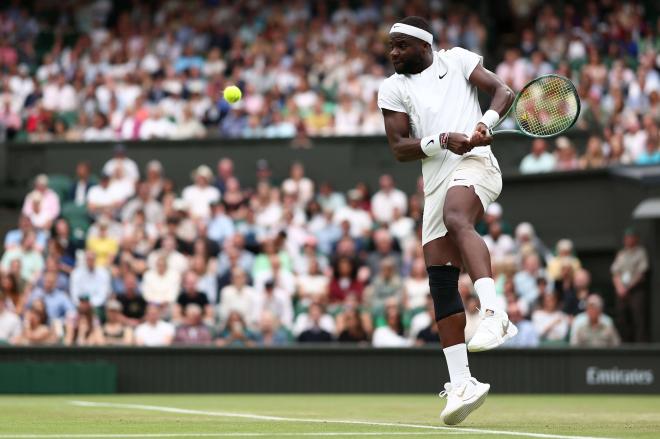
column 462, row 400
column 495, row 328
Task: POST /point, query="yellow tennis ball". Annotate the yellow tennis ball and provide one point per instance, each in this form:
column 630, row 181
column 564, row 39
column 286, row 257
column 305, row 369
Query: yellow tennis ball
column 232, row 94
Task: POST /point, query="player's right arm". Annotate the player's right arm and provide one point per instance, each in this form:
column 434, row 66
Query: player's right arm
column 408, row 149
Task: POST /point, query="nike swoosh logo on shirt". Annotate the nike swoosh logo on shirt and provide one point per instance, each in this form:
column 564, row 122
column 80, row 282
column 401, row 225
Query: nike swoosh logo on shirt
column 430, row 142
column 442, row 76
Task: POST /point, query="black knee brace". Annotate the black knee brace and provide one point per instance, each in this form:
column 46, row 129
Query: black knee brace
column 443, row 280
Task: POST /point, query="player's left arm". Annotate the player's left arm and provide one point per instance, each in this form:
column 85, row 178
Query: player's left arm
column 502, row 98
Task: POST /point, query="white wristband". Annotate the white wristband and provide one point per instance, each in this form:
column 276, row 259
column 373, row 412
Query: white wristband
column 431, row 145
column 490, row 118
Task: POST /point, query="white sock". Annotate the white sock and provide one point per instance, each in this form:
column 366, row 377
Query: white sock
column 485, row 288
column 457, row 363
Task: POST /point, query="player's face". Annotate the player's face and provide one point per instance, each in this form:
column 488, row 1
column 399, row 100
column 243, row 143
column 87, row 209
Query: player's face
column 406, row 53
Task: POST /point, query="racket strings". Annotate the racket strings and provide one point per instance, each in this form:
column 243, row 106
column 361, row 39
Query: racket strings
column 546, row 107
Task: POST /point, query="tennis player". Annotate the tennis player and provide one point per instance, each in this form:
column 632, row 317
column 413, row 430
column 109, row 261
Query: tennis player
column 432, row 114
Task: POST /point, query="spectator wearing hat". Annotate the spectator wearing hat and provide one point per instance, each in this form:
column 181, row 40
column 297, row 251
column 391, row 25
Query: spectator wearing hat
column 42, row 205
column 90, row 280
column 114, row 331
column 564, row 256
column 387, row 199
column 539, row 159
column 154, row 331
column 200, row 195
column 593, row 328
column 628, row 276
column 527, row 241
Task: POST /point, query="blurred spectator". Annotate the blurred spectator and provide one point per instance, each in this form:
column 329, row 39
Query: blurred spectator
column 270, row 332
column 314, row 331
column 576, row 301
column 594, row 157
column 154, row 331
column 358, row 219
column 10, row 322
column 387, row 284
column 312, row 286
column 14, row 237
column 115, row 332
column 275, row 300
column 90, row 281
column 499, row 245
column 199, row 196
column 392, row 334
column 161, row 284
column 81, row 186
column 133, row 304
column 238, row 296
column 103, row 246
column 57, row 304
column 298, row 184
column 193, row 331
column 236, row 333
column 591, row 329
column 549, row 321
column 190, row 295
column 42, row 205
column 36, row 328
column 628, row 276
column 353, row 328
column 384, row 249
column 527, row 336
column 539, row 159
column 525, row 281
column 30, row 260
column 566, row 159
column 345, row 281
column 387, row 199
column 416, row 287
column 564, row 256
column 83, row 329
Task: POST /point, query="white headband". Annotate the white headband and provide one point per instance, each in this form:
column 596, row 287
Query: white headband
column 401, row 28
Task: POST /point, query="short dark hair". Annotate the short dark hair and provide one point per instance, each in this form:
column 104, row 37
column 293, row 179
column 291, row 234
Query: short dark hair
column 419, row 22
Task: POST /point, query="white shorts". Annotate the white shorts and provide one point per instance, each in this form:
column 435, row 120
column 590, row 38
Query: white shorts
column 480, row 172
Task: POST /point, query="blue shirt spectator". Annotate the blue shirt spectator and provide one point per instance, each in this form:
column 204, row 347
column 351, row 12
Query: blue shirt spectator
column 58, row 304
column 91, row 281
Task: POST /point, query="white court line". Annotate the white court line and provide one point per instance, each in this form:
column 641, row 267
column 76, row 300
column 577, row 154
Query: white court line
column 156, row 408
column 242, row 434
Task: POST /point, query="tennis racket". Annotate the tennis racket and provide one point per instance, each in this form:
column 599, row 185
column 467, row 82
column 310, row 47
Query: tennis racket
column 545, row 107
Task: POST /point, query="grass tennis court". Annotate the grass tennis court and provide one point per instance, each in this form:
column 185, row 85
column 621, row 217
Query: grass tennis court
column 139, row 416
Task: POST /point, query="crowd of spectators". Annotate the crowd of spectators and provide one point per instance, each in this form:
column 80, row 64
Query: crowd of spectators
column 131, row 260
column 100, row 70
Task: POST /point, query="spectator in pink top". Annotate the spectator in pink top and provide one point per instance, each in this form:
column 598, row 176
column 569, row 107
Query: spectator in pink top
column 42, row 205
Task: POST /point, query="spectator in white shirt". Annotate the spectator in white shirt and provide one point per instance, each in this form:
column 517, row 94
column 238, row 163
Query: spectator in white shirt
column 59, row 96
column 103, row 197
column 387, row 199
column 161, row 285
column 305, row 321
column 499, row 244
column 359, row 220
column 299, row 184
column 175, row 260
column 550, row 323
column 416, row 286
column 100, row 131
column 347, row 117
column 200, row 195
column 275, row 300
column 189, row 127
column 89, row 280
column 157, row 126
column 154, row 331
column 120, row 160
column 237, row 296
column 10, row 323
column 391, row 335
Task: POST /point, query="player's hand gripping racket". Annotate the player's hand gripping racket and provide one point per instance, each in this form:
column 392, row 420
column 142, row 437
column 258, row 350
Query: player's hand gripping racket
column 545, row 107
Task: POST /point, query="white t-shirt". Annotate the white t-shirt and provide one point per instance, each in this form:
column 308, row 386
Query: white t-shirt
column 383, row 204
column 437, row 100
column 155, row 335
column 199, row 199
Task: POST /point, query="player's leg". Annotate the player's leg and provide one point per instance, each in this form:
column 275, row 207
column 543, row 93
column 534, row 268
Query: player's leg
column 462, row 209
column 464, row 393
